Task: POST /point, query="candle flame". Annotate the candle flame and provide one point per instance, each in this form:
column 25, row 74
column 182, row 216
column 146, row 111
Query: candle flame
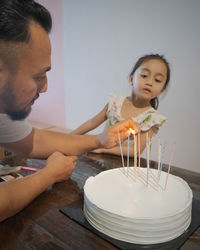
column 132, row 131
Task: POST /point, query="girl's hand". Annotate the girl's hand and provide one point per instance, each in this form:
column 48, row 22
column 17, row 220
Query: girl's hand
column 109, row 138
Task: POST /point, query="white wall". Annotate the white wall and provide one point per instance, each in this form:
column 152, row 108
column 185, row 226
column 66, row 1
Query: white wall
column 103, row 39
column 50, row 107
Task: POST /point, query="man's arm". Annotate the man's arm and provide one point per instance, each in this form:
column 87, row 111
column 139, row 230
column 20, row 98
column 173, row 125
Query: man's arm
column 16, row 194
column 42, row 143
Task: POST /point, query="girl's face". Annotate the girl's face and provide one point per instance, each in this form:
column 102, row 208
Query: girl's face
column 149, row 79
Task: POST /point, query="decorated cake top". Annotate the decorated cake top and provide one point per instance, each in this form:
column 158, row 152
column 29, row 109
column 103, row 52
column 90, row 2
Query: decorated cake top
column 120, row 194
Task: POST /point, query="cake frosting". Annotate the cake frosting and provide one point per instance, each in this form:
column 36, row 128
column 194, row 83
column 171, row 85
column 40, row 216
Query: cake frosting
column 129, row 207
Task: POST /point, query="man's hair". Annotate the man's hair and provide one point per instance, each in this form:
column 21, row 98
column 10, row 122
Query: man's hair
column 15, row 17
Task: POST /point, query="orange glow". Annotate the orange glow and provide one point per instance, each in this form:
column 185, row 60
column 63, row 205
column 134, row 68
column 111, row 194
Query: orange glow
column 132, row 131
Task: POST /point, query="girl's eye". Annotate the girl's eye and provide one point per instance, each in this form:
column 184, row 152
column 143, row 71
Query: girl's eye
column 158, row 80
column 143, row 75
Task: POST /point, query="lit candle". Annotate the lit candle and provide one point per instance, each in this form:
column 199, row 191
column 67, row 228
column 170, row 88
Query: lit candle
column 135, row 152
column 132, row 131
column 135, row 161
column 128, row 154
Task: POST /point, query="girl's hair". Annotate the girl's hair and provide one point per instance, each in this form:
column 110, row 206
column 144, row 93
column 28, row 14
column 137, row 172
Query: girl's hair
column 154, row 102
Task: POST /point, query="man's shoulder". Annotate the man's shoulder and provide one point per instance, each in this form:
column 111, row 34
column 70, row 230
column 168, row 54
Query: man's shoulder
column 11, row 131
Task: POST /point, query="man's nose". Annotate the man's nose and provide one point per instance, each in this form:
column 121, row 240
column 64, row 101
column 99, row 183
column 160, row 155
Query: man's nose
column 43, row 88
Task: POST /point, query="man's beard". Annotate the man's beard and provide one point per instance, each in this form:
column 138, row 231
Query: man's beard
column 18, row 115
column 8, row 99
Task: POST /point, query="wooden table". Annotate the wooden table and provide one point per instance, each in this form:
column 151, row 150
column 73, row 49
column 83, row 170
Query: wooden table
column 42, row 226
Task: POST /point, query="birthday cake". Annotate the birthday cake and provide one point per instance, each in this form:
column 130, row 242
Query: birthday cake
column 126, row 205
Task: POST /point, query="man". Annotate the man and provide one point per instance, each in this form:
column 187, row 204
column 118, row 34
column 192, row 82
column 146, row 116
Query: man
column 25, row 53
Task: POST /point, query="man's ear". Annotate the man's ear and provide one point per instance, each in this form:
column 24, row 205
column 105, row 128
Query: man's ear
column 1, row 64
column 3, row 74
column 1, row 69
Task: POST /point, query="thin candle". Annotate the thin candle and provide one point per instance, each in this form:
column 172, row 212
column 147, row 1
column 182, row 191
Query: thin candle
column 149, row 148
column 159, row 155
column 135, row 156
column 139, row 152
column 135, row 163
column 170, row 161
column 162, row 157
column 159, row 150
column 128, row 154
column 147, row 156
column 135, row 151
column 121, row 152
column 136, row 139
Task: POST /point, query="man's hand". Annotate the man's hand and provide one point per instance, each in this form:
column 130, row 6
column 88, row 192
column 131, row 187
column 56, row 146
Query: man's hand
column 60, row 167
column 109, row 138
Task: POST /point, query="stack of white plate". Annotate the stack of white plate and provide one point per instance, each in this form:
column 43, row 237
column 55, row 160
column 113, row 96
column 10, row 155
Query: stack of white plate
column 134, row 207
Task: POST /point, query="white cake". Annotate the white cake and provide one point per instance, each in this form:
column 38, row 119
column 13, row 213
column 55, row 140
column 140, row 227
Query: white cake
column 133, row 209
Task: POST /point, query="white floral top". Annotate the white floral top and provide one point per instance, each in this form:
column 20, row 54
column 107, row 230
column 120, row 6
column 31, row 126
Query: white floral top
column 146, row 120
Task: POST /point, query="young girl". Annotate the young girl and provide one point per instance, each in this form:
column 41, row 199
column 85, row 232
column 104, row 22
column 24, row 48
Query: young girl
column 148, row 79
